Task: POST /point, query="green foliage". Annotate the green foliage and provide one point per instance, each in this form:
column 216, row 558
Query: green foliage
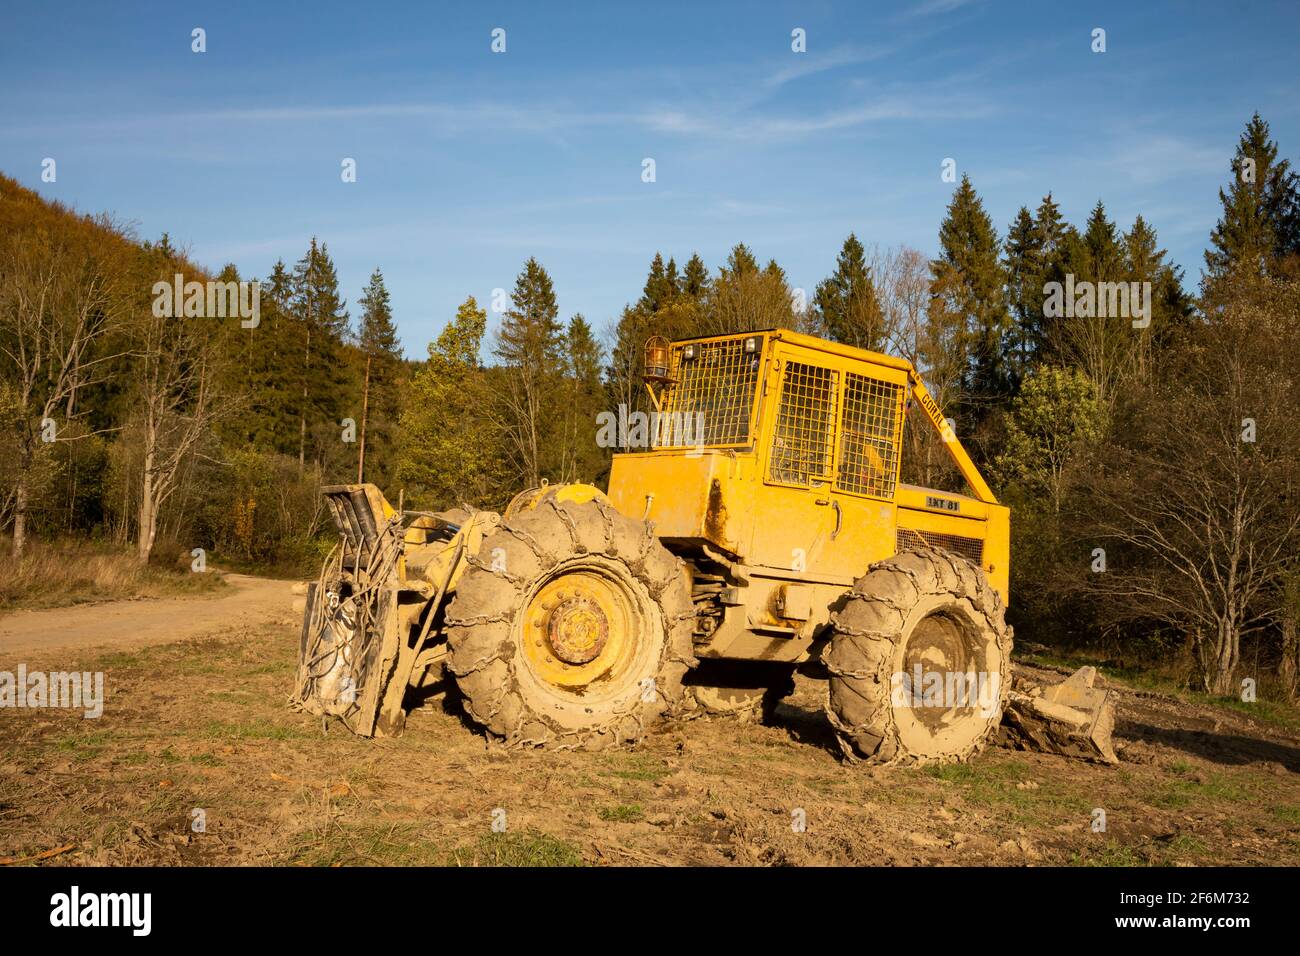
column 1260, row 223
column 846, row 304
column 1053, row 423
column 584, row 399
column 1022, row 263
column 446, row 440
column 969, row 279
column 382, row 374
column 1054, row 408
column 325, row 379
column 1051, row 431
column 745, row 297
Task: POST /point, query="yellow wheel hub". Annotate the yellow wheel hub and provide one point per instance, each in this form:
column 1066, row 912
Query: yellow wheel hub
column 577, row 629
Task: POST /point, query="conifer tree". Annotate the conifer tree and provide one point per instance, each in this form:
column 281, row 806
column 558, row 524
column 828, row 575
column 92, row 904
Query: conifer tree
column 695, row 278
column 583, row 460
column 969, row 274
column 529, row 346
column 321, row 317
column 1021, row 260
column 658, row 288
column 1260, row 222
column 377, row 339
column 1171, row 307
column 446, row 451
column 745, row 297
column 846, row 304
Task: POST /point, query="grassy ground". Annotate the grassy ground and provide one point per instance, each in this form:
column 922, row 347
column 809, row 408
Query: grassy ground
column 205, row 726
column 1274, row 711
column 54, row 575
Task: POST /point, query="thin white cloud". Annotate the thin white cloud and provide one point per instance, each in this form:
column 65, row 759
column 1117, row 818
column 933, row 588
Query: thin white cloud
column 750, row 124
column 932, row 7
column 1158, row 157
column 810, row 64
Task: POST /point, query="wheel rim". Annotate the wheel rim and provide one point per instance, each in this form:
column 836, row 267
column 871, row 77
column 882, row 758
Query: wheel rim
column 948, row 642
column 581, row 631
column 938, row 644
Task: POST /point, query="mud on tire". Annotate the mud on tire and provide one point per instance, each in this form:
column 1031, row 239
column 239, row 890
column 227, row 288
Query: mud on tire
column 925, row 607
column 571, row 628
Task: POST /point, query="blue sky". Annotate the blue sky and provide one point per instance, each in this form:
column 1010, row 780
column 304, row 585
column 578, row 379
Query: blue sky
column 468, row 161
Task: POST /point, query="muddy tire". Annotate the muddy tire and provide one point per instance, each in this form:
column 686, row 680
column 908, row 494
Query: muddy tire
column 571, row 629
column 925, row 608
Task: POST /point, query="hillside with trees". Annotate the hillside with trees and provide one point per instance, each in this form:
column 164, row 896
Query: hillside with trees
column 1153, row 466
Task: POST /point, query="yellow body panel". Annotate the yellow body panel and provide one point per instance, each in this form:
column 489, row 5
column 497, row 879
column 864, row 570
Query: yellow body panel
column 808, row 522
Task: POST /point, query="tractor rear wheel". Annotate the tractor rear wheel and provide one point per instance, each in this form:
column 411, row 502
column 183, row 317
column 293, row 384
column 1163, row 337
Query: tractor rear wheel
column 919, row 661
column 571, row 628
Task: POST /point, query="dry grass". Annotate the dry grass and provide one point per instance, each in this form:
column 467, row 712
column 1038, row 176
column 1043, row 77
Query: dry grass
column 204, row 724
column 60, row 574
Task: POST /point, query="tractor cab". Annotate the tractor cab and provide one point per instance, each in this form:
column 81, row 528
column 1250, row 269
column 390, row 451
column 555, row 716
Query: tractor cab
column 782, row 452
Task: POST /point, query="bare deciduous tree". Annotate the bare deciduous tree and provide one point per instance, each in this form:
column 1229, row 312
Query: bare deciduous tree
column 178, row 405
column 57, row 306
column 1199, row 494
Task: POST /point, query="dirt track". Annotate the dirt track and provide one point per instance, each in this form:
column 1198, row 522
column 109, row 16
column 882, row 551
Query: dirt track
column 120, row 625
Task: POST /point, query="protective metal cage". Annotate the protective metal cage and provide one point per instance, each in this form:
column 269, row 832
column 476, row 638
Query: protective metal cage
column 803, row 442
column 870, row 430
column 710, row 398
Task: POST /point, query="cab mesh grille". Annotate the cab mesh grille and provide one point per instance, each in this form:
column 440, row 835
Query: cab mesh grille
column 711, row 395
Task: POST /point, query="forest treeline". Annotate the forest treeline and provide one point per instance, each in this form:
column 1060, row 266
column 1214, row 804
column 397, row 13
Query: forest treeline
column 1143, row 432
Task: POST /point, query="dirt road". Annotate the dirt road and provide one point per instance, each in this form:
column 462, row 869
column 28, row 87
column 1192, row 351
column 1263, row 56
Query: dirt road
column 119, row 625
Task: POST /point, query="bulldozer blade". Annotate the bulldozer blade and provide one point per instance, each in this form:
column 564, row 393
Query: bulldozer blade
column 1072, row 718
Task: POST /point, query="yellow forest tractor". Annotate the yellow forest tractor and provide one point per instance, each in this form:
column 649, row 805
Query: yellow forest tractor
column 759, row 528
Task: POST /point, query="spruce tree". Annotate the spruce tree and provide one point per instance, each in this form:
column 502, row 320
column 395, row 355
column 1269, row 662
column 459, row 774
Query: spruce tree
column 1144, row 261
column 382, row 354
column 585, row 399
column 274, row 349
column 846, row 305
column 969, row 274
column 740, row 262
column 1260, row 222
column 1021, row 260
column 695, row 278
column 1096, row 338
column 660, row 286
column 321, row 317
column 1103, row 259
column 746, row 298
column 529, row 346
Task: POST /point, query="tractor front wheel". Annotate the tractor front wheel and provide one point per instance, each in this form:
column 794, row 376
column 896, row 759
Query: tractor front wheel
column 571, row 628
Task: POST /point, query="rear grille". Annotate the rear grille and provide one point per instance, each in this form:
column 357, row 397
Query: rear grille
column 972, row 549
